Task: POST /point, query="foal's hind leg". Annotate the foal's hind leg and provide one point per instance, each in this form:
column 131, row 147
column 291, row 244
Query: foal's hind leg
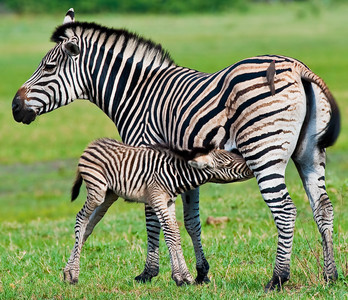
column 99, row 213
column 72, row 268
column 311, row 166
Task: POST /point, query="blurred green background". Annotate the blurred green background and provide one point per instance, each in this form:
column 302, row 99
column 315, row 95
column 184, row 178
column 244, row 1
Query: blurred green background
column 311, row 31
column 137, row 6
column 37, row 162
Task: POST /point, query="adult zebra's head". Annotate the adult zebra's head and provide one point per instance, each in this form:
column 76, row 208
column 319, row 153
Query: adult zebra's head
column 53, row 84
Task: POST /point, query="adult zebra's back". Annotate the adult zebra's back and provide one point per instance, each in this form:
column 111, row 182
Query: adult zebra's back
column 151, row 100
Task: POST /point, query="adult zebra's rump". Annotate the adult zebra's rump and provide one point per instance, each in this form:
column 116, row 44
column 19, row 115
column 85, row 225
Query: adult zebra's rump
column 290, row 114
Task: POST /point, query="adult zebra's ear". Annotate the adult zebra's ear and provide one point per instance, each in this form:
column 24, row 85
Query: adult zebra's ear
column 69, row 17
column 71, row 48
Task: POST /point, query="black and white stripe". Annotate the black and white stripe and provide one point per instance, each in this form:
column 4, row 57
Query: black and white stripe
column 151, row 100
column 151, row 175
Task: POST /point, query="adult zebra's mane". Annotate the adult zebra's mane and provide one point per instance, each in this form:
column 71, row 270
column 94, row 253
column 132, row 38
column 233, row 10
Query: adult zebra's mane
column 155, row 50
column 184, row 154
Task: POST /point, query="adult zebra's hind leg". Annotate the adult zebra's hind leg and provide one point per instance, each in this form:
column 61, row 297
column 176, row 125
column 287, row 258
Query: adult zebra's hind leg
column 311, row 166
column 190, row 201
column 271, row 182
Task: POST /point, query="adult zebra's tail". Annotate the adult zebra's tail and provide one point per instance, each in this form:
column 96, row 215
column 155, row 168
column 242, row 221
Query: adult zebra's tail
column 76, row 187
column 320, row 130
column 328, row 136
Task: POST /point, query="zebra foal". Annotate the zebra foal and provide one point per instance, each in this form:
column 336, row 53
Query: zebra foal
column 152, row 175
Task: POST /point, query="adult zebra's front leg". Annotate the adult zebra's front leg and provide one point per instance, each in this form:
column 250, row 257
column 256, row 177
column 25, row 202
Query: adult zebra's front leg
column 190, row 201
column 153, row 228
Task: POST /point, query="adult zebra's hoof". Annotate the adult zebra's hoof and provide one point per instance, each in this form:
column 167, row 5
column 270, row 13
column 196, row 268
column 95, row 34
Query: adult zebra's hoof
column 146, row 276
column 202, row 273
column 276, row 283
column 202, row 280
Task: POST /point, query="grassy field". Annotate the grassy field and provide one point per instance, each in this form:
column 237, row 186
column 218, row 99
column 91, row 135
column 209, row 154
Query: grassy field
column 37, row 166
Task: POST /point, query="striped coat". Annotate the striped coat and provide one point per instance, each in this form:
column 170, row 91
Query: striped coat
column 151, row 175
column 268, row 108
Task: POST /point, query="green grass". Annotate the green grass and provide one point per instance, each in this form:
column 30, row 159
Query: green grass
column 37, row 166
column 240, row 252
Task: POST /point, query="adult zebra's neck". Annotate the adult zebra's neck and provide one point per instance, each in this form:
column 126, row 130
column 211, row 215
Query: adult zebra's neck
column 114, row 64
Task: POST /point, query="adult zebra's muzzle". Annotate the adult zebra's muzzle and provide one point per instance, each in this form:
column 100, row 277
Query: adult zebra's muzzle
column 21, row 113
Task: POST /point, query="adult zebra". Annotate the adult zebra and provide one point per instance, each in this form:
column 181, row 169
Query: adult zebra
column 151, row 100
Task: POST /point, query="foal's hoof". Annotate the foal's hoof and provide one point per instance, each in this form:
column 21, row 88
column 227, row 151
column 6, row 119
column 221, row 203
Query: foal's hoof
column 332, row 277
column 183, row 280
column 276, row 283
column 179, row 282
column 70, row 277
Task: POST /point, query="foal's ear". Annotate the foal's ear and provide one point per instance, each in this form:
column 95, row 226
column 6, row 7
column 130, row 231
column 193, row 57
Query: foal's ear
column 201, row 162
column 71, row 48
column 69, row 17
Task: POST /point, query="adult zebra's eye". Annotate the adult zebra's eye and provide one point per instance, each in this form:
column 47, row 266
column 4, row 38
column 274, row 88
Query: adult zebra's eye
column 49, row 67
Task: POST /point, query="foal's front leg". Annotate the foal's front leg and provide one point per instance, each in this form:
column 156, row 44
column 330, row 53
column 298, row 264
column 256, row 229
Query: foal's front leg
column 166, row 217
column 72, row 268
column 193, row 227
column 186, row 276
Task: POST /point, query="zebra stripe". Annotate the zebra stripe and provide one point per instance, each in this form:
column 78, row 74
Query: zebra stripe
column 151, row 175
column 151, row 100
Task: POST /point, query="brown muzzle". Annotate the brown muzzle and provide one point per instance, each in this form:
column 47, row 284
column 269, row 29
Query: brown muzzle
column 20, row 111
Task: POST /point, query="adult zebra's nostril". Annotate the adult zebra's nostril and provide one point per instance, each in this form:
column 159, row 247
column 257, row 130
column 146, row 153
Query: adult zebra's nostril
column 17, row 108
column 17, row 103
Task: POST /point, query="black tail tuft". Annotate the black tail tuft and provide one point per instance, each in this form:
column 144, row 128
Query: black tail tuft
column 330, row 133
column 76, row 187
column 332, row 129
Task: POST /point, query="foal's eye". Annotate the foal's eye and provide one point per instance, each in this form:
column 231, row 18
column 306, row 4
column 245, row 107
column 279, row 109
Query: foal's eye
column 49, row 67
